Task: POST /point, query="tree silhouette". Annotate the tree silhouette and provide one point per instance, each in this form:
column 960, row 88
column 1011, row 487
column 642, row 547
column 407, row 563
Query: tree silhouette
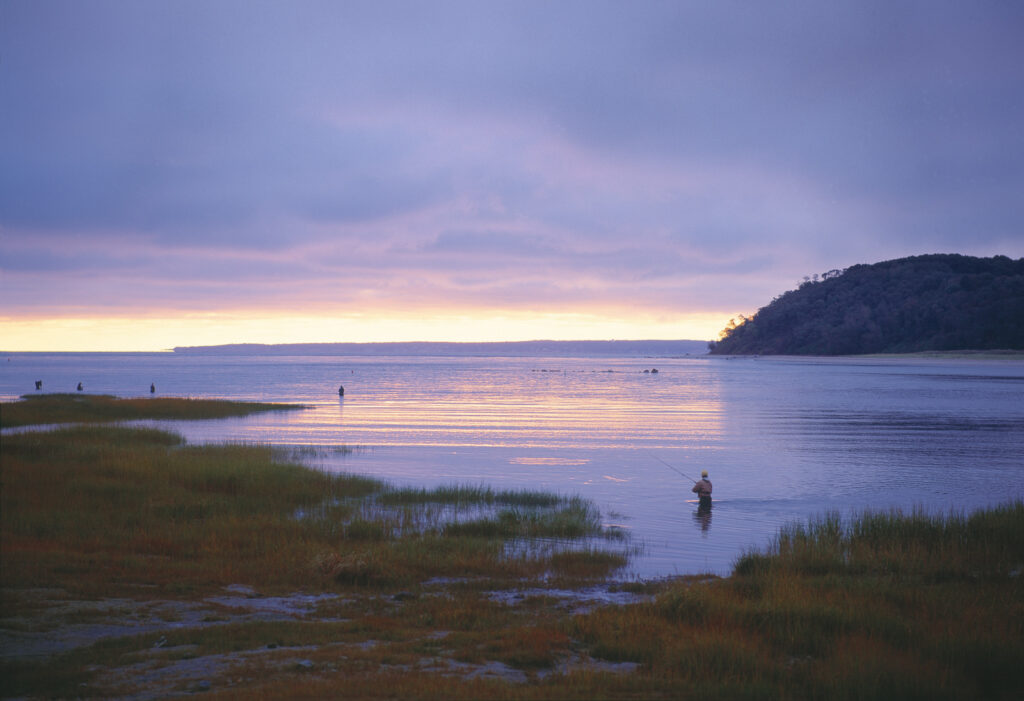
column 921, row 303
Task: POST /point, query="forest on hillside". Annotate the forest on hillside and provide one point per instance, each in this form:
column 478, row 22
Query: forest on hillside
column 939, row 302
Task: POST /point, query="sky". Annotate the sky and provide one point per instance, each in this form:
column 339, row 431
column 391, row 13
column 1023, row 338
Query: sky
column 200, row 172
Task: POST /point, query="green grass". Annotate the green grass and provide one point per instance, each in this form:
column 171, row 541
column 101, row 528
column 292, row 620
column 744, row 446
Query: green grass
column 38, row 409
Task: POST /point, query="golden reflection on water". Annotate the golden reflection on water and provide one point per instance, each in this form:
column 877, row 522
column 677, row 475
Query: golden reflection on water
column 573, row 413
column 549, row 461
column 505, row 403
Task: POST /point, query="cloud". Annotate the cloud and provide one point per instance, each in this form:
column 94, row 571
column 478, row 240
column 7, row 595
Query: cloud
column 528, row 155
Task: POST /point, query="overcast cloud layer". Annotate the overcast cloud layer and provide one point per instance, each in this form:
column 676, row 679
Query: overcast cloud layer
column 674, row 157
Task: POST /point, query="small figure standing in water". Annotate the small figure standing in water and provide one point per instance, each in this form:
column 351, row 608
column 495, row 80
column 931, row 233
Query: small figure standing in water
column 703, row 489
column 79, row 386
column 39, row 384
column 341, row 391
column 152, row 388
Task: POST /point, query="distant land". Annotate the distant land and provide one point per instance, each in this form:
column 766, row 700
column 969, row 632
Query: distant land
column 940, row 302
column 654, row 349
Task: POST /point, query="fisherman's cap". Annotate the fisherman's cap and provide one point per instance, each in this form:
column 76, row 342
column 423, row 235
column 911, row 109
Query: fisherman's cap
column 703, row 473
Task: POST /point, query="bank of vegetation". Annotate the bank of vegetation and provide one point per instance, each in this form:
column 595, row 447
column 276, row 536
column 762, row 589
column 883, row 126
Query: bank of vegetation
column 884, row 605
column 921, row 303
column 61, row 408
column 99, row 509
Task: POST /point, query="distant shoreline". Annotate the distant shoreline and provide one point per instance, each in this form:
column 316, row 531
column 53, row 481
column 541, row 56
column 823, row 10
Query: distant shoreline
column 515, row 349
column 659, row 348
column 951, row 354
column 934, row 355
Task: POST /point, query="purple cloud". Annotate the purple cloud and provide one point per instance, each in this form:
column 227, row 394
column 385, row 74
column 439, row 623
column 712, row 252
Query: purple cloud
column 671, row 156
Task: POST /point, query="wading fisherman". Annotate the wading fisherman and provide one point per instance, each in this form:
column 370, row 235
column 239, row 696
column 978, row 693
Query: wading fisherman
column 703, row 489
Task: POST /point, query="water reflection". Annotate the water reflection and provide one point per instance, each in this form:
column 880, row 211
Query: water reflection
column 702, row 517
column 466, row 404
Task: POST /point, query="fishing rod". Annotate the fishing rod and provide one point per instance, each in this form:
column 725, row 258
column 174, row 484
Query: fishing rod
column 678, row 472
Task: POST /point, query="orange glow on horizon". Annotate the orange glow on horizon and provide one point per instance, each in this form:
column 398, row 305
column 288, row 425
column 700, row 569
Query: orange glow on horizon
column 164, row 332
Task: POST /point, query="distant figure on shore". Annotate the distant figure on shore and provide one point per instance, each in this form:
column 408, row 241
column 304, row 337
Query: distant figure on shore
column 703, row 489
column 39, row 384
column 79, row 386
column 152, row 388
column 341, row 391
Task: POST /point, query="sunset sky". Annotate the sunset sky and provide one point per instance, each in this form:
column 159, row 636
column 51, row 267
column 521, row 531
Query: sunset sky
column 190, row 173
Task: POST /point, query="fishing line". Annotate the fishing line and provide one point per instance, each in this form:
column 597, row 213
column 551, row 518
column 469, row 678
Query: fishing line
column 678, row 472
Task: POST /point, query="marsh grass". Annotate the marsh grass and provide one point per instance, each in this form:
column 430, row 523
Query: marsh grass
column 883, row 605
column 880, row 605
column 821, row 614
column 574, row 519
column 87, row 508
column 456, row 511
column 918, row 544
column 409, row 534
column 56, row 408
column 464, row 494
column 100, row 511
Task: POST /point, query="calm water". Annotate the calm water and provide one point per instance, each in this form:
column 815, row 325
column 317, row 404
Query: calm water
column 783, row 439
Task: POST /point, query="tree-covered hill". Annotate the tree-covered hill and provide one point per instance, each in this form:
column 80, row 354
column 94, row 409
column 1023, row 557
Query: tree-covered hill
column 923, row 303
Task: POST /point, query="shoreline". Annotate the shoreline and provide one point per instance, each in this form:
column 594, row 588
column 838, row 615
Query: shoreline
column 953, row 355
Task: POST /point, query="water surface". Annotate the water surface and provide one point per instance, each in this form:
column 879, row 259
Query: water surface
column 782, row 438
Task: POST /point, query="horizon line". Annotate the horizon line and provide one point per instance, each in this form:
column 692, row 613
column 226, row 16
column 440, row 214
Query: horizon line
column 390, row 344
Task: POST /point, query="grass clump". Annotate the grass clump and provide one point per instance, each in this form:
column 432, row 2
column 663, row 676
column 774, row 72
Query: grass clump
column 56, row 408
column 917, row 545
column 574, row 518
column 462, row 494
